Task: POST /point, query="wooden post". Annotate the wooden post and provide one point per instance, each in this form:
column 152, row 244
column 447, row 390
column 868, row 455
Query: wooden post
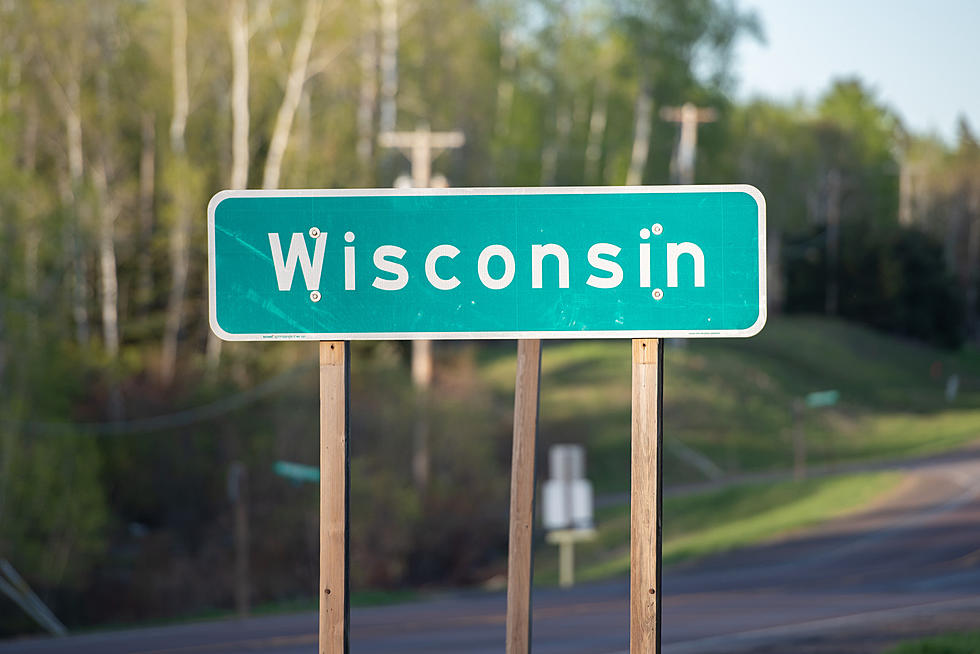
column 646, row 496
column 566, row 563
column 334, row 497
column 519, row 567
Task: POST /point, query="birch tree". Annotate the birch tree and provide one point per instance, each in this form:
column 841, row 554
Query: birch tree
column 60, row 68
column 180, row 230
column 147, row 190
column 238, row 32
column 642, row 115
column 368, row 94
column 669, row 37
column 389, row 65
column 597, row 132
column 108, row 200
column 298, row 75
column 238, row 35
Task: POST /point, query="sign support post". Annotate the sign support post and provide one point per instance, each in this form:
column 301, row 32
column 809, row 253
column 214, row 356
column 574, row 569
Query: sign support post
column 334, row 592
column 646, row 495
column 526, row 400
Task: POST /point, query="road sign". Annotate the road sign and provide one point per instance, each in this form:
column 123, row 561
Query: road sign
column 566, row 502
column 296, row 471
column 601, row 262
column 820, row 399
column 566, row 498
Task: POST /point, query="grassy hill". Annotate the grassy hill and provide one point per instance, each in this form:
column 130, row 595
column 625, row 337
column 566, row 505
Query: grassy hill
column 731, row 400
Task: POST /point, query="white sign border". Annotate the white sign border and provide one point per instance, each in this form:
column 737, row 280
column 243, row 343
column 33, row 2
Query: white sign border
column 492, row 335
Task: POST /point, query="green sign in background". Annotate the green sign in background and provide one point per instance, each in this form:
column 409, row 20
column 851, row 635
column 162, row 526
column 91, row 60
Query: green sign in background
column 727, row 224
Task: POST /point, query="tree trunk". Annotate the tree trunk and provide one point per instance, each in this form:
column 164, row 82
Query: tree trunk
column 290, row 101
column 368, row 96
column 389, row 65
column 73, row 134
column 905, row 192
column 238, row 33
column 597, row 133
column 32, row 230
column 641, row 136
column 107, row 212
column 505, row 82
column 73, row 126
column 66, row 96
column 147, row 179
column 180, row 231
column 108, row 280
column 551, row 151
column 178, row 54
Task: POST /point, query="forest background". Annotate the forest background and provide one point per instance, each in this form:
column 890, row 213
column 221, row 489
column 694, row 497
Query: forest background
column 121, row 414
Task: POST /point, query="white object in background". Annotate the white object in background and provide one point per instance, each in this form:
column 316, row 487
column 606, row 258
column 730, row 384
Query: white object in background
column 952, row 387
column 566, row 497
column 566, row 500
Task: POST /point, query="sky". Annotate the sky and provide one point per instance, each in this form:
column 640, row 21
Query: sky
column 921, row 57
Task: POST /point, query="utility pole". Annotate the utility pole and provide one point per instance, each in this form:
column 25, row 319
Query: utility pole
column 685, row 154
column 690, row 117
column 421, row 146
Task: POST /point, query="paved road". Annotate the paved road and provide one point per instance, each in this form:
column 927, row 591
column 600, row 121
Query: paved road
column 906, row 567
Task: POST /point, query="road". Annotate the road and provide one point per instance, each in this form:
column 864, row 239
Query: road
column 905, row 567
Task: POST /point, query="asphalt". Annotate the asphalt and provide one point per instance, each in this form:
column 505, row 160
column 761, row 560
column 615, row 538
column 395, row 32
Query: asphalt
column 906, row 567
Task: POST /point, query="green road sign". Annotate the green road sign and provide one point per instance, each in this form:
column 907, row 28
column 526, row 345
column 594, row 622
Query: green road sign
column 296, row 471
column 820, row 399
column 602, row 262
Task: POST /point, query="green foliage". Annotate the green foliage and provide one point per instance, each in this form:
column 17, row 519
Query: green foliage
column 716, row 521
column 53, row 512
column 731, row 400
column 896, row 281
column 385, row 509
column 961, row 643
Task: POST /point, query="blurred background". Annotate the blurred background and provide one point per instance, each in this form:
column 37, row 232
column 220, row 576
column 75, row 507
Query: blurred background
column 138, row 454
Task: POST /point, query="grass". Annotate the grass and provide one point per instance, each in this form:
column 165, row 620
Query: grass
column 963, row 643
column 731, row 399
column 716, row 521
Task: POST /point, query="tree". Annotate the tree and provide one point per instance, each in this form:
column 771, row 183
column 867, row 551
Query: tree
column 180, row 231
column 669, row 37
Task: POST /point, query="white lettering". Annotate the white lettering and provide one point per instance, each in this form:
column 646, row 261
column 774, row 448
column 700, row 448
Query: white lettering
column 483, row 262
column 382, row 263
column 596, row 261
column 350, row 277
column 538, row 253
column 438, row 252
column 644, row 265
column 674, row 251
column 285, row 271
column 350, row 267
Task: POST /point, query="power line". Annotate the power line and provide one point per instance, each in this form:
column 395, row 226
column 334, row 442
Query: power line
column 175, row 420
